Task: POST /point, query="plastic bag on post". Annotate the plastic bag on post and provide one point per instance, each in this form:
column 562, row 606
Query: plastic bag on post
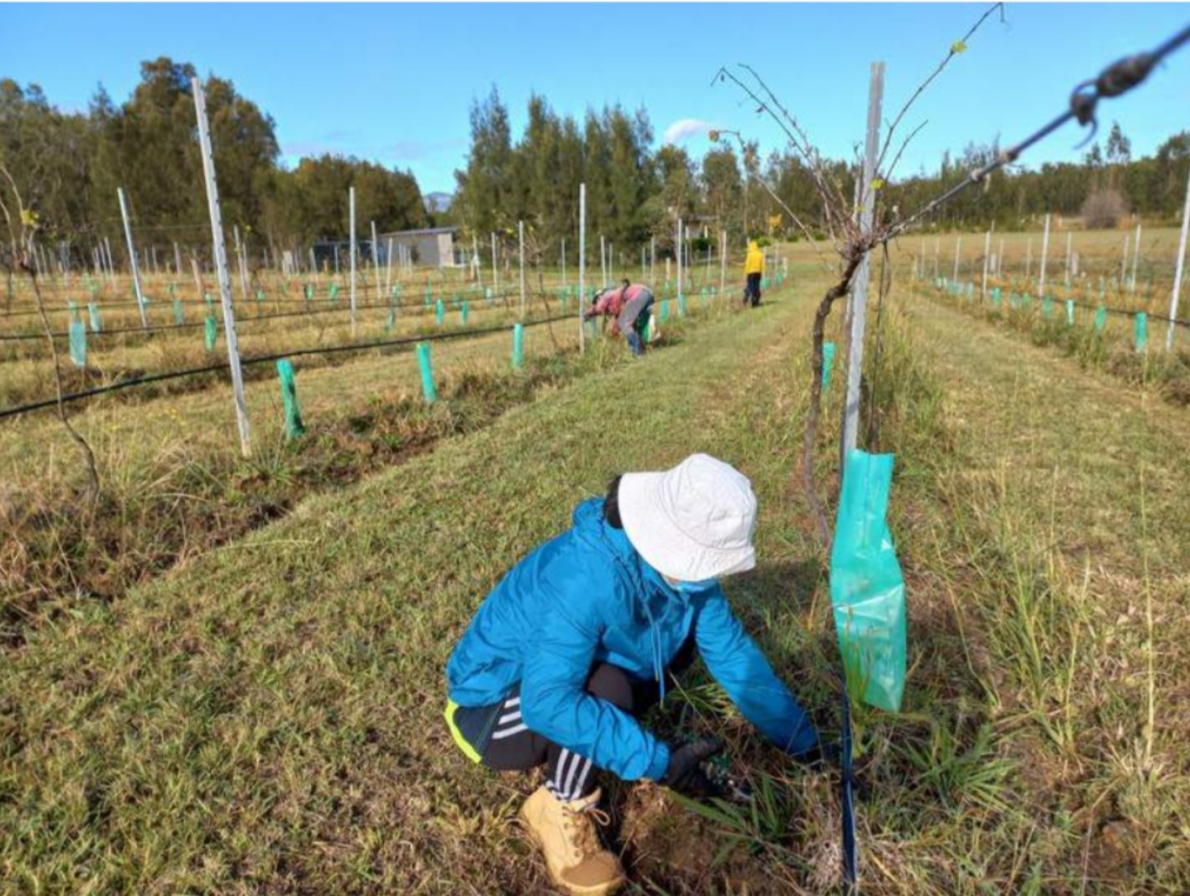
column 867, row 588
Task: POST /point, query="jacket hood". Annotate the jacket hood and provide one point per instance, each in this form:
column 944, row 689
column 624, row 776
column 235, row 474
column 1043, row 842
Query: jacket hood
column 637, row 576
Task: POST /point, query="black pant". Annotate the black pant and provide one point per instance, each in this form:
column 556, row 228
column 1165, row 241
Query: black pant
column 752, row 290
column 513, row 747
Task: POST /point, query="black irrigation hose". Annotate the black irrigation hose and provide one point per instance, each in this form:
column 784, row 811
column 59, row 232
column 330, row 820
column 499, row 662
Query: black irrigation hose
column 280, row 299
column 264, row 359
column 411, row 309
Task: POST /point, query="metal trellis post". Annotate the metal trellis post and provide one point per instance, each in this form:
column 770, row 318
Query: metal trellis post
column 220, row 250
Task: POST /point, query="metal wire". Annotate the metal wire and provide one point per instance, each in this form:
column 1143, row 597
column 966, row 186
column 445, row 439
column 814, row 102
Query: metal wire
column 1116, row 80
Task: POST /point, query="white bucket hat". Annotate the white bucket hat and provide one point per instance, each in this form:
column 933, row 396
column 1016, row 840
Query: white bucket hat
column 693, row 522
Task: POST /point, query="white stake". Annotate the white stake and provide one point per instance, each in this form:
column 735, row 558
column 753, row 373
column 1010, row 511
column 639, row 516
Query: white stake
column 521, row 239
column 679, row 248
column 240, row 262
column 987, row 248
column 351, row 203
column 582, row 266
column 388, row 264
column 475, row 260
column 1045, row 246
column 140, row 298
column 1135, row 259
column 376, row 256
column 860, row 301
column 1124, row 260
column 722, row 263
column 1177, row 279
column 495, row 270
column 229, row 322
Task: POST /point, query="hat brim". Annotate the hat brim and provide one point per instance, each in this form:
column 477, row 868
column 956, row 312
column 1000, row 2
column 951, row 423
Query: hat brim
column 664, row 546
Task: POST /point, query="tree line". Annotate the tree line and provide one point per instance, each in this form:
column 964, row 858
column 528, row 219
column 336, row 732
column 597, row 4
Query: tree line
column 64, row 167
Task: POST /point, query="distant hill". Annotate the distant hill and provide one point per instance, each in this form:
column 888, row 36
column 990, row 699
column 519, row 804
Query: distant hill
column 438, row 202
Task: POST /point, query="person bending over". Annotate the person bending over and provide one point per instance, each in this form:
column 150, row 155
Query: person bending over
column 630, row 307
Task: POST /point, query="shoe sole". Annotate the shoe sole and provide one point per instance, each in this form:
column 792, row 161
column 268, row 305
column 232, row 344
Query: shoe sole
column 601, row 890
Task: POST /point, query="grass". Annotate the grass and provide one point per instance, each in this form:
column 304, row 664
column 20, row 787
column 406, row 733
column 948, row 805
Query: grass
column 266, row 717
column 1112, row 349
column 174, row 486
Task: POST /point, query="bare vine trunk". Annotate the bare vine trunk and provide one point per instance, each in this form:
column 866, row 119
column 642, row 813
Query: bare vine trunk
column 815, row 410
column 84, row 446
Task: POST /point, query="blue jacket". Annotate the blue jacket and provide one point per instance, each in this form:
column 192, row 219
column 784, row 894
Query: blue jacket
column 587, row 596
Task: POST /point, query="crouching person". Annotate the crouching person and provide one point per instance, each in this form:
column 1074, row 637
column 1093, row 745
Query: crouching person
column 576, row 641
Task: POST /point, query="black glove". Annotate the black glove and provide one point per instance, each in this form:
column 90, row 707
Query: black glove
column 684, row 773
column 819, row 755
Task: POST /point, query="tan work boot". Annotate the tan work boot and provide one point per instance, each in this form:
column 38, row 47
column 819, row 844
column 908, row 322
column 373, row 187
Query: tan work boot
column 566, row 834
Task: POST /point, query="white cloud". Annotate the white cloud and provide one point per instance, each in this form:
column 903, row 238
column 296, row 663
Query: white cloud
column 685, row 128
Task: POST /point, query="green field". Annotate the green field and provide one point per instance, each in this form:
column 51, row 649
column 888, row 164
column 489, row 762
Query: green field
column 264, row 716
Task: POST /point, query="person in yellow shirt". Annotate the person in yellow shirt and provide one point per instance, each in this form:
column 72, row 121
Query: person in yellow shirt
column 753, row 269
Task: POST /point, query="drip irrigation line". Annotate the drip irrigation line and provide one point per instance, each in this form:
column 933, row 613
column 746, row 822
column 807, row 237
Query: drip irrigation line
column 264, row 359
column 410, row 310
column 1116, row 80
column 105, row 306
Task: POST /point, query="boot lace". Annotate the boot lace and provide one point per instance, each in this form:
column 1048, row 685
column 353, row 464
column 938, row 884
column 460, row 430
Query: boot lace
column 581, row 831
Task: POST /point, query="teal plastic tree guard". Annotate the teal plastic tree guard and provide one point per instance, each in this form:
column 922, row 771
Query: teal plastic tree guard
column 1141, row 328
column 96, row 320
column 293, row 414
column 308, row 291
column 78, row 343
column 210, row 332
column 664, row 310
column 440, row 312
column 1100, row 318
column 392, row 319
column 259, row 296
column 179, row 312
column 427, row 372
column 1047, row 307
column 518, row 346
column 334, row 292
column 1070, row 312
column 682, row 304
column 464, row 310
column 867, row 588
column 828, row 361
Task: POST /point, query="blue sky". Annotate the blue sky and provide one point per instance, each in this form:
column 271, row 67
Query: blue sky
column 395, row 83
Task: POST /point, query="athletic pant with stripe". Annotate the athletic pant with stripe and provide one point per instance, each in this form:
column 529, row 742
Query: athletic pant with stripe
column 511, row 746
